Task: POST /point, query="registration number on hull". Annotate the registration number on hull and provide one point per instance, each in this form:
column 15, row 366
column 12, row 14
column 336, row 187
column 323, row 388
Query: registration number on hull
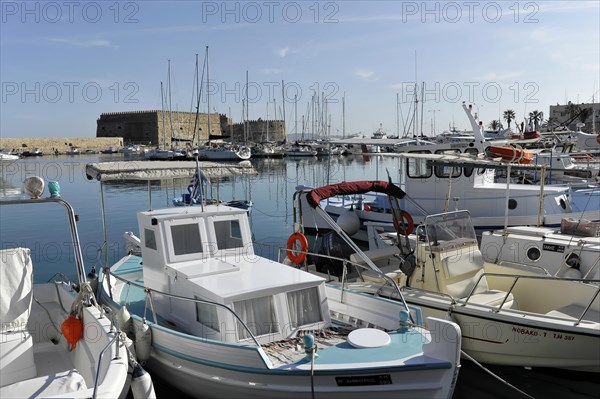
column 381, row 379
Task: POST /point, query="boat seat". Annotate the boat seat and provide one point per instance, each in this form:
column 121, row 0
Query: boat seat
column 459, row 275
column 573, row 311
column 58, row 384
column 16, row 344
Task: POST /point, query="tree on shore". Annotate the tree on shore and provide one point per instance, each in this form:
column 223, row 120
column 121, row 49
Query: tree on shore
column 509, row 116
column 536, row 117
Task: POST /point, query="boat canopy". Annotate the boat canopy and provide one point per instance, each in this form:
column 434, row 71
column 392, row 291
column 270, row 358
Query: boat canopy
column 357, row 187
column 158, row 170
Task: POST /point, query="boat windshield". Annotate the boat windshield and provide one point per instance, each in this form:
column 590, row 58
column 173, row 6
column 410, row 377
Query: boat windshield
column 450, row 228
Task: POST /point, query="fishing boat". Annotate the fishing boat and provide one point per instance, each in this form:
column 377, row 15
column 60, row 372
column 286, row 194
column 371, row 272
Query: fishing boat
column 508, row 315
column 55, row 341
column 439, row 182
column 227, row 322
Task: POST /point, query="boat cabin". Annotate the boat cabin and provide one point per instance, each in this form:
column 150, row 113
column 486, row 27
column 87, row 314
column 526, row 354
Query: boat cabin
column 206, row 253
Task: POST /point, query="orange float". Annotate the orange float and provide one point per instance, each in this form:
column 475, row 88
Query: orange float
column 297, row 257
column 510, row 154
column 72, row 329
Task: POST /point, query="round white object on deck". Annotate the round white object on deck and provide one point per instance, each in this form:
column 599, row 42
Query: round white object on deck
column 368, row 338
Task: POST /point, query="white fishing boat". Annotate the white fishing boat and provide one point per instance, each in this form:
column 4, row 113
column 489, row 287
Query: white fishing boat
column 441, row 182
column 228, row 323
column 54, row 339
column 509, row 315
column 6, row 159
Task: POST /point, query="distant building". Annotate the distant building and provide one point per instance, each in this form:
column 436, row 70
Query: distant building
column 563, row 116
column 177, row 128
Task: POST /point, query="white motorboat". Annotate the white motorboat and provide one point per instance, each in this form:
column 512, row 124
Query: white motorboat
column 54, row 339
column 223, row 153
column 300, row 151
column 573, row 250
column 439, row 182
column 509, row 315
column 229, row 323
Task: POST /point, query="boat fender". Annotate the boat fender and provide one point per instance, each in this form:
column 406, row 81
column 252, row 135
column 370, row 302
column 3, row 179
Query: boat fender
column 72, row 329
column 367, row 208
column 143, row 341
column 141, row 384
column 598, row 139
column 124, row 319
column 410, row 224
column 297, row 257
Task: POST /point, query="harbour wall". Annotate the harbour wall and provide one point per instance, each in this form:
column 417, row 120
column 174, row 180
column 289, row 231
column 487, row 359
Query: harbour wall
column 49, row 145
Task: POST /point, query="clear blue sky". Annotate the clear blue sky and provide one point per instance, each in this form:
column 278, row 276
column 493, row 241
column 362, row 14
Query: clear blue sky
column 62, row 64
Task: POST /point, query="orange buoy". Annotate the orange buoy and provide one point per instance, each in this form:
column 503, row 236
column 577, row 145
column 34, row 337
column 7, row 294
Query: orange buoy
column 297, row 257
column 72, row 329
column 409, row 222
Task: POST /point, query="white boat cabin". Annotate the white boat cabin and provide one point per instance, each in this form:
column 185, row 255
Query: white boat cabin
column 207, row 253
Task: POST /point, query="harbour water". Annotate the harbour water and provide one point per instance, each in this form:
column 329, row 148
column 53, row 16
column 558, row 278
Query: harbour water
column 271, row 218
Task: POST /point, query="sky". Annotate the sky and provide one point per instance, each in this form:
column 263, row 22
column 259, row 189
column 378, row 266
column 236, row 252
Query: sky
column 63, row 63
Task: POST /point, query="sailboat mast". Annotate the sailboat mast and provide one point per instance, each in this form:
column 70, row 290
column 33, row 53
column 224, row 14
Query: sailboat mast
column 208, row 93
column 283, row 105
column 344, row 116
column 162, row 107
column 246, row 123
column 170, row 109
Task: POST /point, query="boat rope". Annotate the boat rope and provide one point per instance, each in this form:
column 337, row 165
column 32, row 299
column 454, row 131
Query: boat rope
column 463, row 353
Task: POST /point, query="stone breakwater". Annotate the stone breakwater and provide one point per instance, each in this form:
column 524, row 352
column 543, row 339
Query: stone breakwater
column 60, row 145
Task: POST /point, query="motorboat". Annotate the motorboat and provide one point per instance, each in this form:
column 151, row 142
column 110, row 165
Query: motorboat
column 55, row 341
column 509, row 314
column 571, row 250
column 216, row 152
column 227, row 322
column 441, row 182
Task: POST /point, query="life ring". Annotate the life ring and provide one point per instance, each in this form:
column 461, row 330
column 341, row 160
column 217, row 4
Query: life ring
column 409, row 221
column 297, row 257
column 367, row 208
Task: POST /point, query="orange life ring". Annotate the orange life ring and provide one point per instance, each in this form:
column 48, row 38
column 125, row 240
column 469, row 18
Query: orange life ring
column 297, row 257
column 409, row 221
column 367, row 208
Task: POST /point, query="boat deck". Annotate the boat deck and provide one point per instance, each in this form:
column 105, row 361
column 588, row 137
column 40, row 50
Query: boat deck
column 333, row 348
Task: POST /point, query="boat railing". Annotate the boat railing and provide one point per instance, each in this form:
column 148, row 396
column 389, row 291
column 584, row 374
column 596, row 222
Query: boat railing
column 72, row 224
column 118, row 340
column 525, row 266
column 344, row 278
column 148, row 291
column 517, row 277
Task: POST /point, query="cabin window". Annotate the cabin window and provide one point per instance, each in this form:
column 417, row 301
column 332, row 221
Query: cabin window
column 149, row 239
column 447, row 170
column 418, row 168
column 468, row 171
column 259, row 316
column 304, row 307
column 206, row 314
column 229, row 234
column 186, row 239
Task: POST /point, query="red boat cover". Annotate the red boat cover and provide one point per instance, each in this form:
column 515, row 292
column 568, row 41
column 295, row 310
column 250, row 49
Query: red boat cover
column 357, row 187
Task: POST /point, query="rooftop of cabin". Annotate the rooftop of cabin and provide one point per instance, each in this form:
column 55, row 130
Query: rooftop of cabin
column 247, row 278
column 192, row 211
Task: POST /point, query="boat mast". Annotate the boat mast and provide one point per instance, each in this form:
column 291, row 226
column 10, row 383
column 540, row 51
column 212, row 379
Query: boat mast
column 162, row 106
column 170, row 109
column 208, row 93
column 344, row 115
column 283, row 105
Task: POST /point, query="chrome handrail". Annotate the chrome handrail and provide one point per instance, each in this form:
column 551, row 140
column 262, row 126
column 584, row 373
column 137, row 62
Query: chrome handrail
column 115, row 338
column 518, row 277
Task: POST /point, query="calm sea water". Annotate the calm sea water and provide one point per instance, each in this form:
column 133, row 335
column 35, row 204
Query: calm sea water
column 43, row 228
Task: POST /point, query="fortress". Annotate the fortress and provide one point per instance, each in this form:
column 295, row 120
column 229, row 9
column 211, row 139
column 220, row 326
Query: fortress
column 168, row 129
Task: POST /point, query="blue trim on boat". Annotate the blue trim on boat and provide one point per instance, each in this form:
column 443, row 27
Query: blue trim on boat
column 434, row 365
